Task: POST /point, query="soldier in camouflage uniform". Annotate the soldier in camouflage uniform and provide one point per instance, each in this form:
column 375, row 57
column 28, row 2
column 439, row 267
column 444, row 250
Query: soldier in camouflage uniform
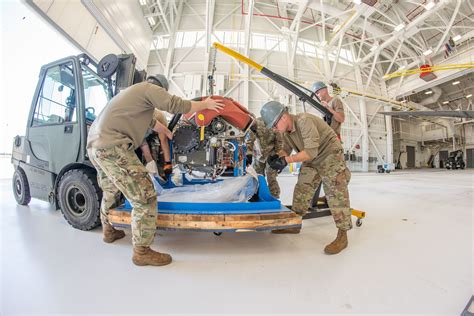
column 321, row 154
column 336, row 107
column 113, row 138
column 263, row 143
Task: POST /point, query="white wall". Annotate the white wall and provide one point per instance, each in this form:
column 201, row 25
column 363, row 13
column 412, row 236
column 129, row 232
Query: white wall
column 100, row 27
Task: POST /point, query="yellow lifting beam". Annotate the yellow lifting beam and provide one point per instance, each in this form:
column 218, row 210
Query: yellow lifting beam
column 408, row 72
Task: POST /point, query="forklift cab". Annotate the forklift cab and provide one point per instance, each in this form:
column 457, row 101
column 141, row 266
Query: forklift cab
column 68, row 95
column 51, row 161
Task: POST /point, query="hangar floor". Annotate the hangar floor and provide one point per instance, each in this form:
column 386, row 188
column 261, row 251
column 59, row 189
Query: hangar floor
column 413, row 254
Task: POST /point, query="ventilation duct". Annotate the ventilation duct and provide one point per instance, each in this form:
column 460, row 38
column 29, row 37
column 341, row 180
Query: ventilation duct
column 433, row 98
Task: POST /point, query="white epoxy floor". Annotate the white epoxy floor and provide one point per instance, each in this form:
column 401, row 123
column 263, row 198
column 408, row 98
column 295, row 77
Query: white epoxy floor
column 413, row 254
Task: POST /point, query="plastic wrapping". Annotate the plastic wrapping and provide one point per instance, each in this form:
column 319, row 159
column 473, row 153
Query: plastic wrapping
column 238, row 189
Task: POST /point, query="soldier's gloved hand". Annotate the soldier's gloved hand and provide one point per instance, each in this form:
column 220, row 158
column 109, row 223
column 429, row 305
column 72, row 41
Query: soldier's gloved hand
column 168, row 168
column 277, row 163
column 248, row 161
column 151, row 167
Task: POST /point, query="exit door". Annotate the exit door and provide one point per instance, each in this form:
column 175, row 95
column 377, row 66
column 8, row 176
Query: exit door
column 443, row 156
column 410, row 157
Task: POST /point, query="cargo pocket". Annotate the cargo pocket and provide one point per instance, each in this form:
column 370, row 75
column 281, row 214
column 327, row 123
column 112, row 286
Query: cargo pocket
column 140, row 184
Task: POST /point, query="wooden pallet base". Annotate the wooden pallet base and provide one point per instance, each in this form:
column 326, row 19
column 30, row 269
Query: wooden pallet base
column 215, row 223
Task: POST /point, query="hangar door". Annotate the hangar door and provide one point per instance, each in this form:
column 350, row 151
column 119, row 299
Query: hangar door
column 410, row 157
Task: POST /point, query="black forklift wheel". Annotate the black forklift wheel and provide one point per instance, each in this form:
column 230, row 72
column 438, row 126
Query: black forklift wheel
column 79, row 198
column 21, row 188
column 359, row 222
column 217, row 233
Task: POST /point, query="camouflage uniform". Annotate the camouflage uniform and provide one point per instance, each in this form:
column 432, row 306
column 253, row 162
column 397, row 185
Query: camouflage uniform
column 270, row 143
column 113, row 137
column 120, row 170
column 337, row 105
column 315, row 137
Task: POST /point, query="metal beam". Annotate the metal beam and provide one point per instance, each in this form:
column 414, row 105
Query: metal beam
column 210, row 7
column 248, row 33
column 409, row 27
column 357, row 12
column 165, row 20
column 448, row 27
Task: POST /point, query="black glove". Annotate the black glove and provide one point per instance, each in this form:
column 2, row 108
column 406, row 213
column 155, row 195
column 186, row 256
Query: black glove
column 168, row 168
column 277, row 163
column 249, row 159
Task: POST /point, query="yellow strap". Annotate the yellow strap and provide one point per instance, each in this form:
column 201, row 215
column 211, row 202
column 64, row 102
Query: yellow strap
column 202, row 133
column 237, row 56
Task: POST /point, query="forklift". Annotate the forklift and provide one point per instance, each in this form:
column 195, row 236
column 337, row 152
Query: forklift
column 50, row 161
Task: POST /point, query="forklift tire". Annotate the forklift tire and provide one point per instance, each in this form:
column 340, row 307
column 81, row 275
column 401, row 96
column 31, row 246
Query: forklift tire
column 21, row 188
column 79, row 198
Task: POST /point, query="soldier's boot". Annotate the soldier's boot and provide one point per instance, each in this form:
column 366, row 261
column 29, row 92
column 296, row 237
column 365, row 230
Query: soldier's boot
column 145, row 256
column 338, row 244
column 286, row 231
column 111, row 234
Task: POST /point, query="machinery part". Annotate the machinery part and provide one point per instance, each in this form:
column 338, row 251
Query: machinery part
column 217, row 233
column 174, row 120
column 79, row 198
column 108, row 66
column 286, row 83
column 217, row 126
column 185, row 139
column 359, row 222
column 233, row 113
column 21, row 188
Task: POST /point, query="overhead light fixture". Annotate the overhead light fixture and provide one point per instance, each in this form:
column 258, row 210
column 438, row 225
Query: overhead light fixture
column 429, row 51
column 456, row 82
column 142, row 2
column 399, row 27
column 429, row 92
column 403, row 101
column 151, row 20
column 457, row 38
column 357, row 2
column 429, row 5
column 469, row 95
column 445, row 102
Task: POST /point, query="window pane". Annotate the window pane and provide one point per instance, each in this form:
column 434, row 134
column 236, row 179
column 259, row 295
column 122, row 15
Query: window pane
column 258, row 41
column 189, row 39
column 95, row 93
column 179, row 39
column 57, row 99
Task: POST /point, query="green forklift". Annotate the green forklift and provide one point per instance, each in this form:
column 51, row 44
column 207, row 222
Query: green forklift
column 50, row 161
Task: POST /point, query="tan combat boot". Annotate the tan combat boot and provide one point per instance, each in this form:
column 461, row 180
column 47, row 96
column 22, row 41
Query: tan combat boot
column 111, row 234
column 145, row 256
column 338, row 244
column 286, row 231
